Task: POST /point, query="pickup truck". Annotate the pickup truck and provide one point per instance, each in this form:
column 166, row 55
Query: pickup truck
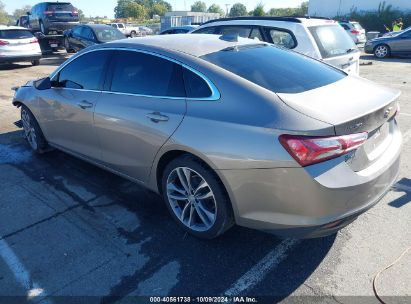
column 128, row 30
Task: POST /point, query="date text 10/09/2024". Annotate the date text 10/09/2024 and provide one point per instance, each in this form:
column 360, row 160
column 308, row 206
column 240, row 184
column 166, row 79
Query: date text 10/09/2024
column 194, row 300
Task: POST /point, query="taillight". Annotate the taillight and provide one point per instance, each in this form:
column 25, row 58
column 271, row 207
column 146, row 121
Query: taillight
column 34, row 40
column 74, row 13
column 2, row 43
column 356, row 32
column 311, row 150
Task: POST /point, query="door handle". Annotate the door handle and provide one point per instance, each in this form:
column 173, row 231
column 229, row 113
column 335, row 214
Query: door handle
column 157, row 117
column 85, row 104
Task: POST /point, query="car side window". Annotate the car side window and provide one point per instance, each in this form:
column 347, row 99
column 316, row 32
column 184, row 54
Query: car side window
column 346, row 27
column 242, row 31
column 120, row 26
column 206, row 30
column 87, row 33
column 196, row 86
column 85, row 72
column 146, row 74
column 282, row 38
column 256, row 34
column 77, row 31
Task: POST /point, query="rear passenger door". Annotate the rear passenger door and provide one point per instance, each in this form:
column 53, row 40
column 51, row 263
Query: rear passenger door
column 245, row 31
column 143, row 103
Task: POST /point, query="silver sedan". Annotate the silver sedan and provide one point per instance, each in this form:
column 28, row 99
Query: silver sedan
column 228, row 130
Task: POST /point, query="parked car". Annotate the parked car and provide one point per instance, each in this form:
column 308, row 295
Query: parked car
column 127, row 30
column 146, row 30
column 23, row 21
column 86, row 35
column 55, row 17
column 396, row 44
column 226, row 131
column 355, row 30
column 179, row 30
column 319, row 38
column 18, row 44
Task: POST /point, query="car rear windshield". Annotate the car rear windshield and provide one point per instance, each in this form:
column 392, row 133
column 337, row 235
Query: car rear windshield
column 15, row 34
column 60, row 7
column 278, row 70
column 108, row 34
column 357, row 26
column 332, row 40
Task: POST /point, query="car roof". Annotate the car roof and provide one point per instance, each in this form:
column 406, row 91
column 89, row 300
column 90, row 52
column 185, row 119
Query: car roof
column 11, row 27
column 306, row 20
column 96, row 26
column 193, row 44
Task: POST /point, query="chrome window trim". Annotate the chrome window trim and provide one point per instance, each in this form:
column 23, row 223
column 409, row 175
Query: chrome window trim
column 215, row 93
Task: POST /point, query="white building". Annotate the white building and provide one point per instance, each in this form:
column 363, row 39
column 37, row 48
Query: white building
column 333, row 8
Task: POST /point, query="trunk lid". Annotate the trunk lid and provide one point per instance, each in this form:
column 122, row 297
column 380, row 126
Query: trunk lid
column 353, row 105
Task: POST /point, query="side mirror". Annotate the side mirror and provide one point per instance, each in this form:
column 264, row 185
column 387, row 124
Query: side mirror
column 43, row 84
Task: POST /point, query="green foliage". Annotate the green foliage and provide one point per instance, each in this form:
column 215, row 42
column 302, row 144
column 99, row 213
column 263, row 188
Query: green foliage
column 302, row 10
column 258, row 10
column 4, row 17
column 238, row 10
column 199, row 6
column 21, row 11
column 215, row 8
column 141, row 9
column 380, row 19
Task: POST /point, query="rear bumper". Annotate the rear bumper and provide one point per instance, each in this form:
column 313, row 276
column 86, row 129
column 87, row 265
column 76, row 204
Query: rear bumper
column 10, row 59
column 310, row 202
column 60, row 26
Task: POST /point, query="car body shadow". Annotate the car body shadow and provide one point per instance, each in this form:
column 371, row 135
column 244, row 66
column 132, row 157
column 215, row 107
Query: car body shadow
column 403, row 186
column 205, row 267
column 402, row 59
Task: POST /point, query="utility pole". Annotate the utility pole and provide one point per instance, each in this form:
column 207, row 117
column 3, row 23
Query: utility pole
column 227, row 7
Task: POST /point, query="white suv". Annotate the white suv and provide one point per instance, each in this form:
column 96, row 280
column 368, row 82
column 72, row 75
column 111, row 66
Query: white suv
column 18, row 44
column 320, row 38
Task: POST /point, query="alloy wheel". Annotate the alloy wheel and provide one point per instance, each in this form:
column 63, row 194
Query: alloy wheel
column 381, row 51
column 192, row 199
column 29, row 131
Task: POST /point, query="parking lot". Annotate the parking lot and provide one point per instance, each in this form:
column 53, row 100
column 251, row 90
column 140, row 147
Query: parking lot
column 71, row 229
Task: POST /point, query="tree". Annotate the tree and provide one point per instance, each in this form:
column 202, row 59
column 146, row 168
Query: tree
column 238, row 10
column 199, row 6
column 159, row 9
column 215, row 8
column 4, row 17
column 258, row 10
column 135, row 11
column 21, row 11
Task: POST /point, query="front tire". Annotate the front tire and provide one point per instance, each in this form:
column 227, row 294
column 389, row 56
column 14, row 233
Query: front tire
column 382, row 51
column 196, row 198
column 35, row 62
column 32, row 131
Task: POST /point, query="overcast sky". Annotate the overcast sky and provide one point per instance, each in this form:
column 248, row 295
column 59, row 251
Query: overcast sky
column 106, row 7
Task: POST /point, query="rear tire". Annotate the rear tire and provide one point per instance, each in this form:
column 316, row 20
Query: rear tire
column 133, row 34
column 32, row 131
column 382, row 51
column 35, row 62
column 199, row 203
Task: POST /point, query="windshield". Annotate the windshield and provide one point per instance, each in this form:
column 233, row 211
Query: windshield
column 275, row 69
column 15, row 34
column 60, row 7
column 107, row 34
column 332, row 40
